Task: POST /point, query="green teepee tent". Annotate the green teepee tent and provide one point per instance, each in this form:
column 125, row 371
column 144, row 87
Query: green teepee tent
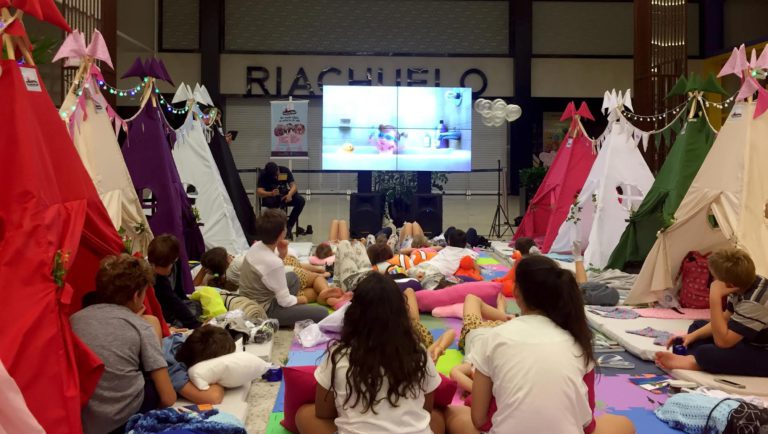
column 693, row 141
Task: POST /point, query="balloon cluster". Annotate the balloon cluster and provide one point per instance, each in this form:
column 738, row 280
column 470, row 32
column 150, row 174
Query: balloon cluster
column 497, row 111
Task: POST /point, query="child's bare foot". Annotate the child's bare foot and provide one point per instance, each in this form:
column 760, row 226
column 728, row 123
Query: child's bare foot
column 501, row 303
column 667, row 360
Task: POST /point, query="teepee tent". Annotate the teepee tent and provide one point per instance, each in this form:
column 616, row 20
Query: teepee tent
column 198, row 172
column 225, row 161
column 54, row 230
column 726, row 203
column 565, row 177
column 614, row 188
column 147, row 153
column 90, row 119
column 694, row 139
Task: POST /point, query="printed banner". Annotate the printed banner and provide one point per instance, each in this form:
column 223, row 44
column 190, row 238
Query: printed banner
column 289, row 129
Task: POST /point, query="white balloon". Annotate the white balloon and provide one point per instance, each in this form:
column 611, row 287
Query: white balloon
column 498, row 114
column 486, row 107
column 513, row 112
column 488, row 121
column 499, row 105
column 497, row 122
column 479, row 104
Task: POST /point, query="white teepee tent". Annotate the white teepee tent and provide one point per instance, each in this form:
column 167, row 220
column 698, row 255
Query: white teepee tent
column 614, row 188
column 198, row 171
column 90, row 119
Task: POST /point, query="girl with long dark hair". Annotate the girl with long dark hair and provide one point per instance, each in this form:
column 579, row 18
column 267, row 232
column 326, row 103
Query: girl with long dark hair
column 377, row 377
column 539, row 367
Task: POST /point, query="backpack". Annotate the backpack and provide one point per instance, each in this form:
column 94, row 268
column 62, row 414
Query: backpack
column 694, row 280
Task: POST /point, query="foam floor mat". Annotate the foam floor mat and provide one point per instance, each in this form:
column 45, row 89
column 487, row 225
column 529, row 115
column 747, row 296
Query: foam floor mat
column 615, row 394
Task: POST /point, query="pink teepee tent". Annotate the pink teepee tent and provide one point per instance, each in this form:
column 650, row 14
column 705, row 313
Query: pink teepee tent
column 561, row 185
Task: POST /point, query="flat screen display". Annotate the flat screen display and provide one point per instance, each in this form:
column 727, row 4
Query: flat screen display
column 397, row 128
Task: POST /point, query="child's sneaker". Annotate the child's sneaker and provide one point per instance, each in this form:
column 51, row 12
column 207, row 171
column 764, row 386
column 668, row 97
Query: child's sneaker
column 393, row 243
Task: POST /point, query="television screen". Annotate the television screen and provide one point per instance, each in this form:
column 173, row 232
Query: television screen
column 397, row 128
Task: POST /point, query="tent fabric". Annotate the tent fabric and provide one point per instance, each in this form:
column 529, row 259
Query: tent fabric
column 565, row 177
column 197, row 167
column 147, row 152
column 731, row 188
column 49, row 208
column 598, row 216
column 672, row 182
column 233, row 183
column 95, row 141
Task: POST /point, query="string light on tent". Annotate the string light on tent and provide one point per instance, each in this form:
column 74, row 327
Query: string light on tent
column 168, row 106
column 660, row 116
column 132, row 91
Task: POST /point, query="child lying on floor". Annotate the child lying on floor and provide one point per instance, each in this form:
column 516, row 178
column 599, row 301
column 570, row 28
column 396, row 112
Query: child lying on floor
column 448, row 260
column 735, row 340
column 182, row 352
column 135, row 377
column 535, row 363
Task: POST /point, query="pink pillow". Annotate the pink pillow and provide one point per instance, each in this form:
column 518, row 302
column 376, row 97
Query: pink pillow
column 300, row 386
column 314, row 260
column 444, row 392
column 429, row 300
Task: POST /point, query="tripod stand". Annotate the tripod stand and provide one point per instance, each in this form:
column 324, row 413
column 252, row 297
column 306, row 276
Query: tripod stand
column 501, row 212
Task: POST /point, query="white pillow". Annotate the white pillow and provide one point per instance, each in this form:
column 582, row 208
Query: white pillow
column 232, row 370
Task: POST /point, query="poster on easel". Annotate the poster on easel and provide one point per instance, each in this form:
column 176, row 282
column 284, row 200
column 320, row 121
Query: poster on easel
column 289, row 129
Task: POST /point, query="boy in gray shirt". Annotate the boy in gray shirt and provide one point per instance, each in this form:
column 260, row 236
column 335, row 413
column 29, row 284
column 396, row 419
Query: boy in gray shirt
column 126, row 343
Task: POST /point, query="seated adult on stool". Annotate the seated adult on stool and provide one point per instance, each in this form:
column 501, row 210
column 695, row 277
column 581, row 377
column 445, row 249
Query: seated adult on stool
column 277, row 189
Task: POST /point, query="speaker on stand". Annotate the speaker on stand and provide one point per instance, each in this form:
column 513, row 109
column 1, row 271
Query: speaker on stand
column 366, row 211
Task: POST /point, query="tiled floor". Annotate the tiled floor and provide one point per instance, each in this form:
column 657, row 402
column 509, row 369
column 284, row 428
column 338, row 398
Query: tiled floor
column 459, row 211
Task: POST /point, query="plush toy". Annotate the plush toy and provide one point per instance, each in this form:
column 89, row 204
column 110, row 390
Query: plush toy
column 467, row 269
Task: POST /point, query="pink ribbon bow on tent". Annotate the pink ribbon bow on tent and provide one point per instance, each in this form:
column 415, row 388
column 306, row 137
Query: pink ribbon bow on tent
column 74, row 51
column 571, row 113
column 738, row 65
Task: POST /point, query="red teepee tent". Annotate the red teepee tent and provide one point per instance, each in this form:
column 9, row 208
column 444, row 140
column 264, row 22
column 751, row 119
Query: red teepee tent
column 54, row 230
column 549, row 207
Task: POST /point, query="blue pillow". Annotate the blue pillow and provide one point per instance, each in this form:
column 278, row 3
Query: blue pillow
column 689, row 412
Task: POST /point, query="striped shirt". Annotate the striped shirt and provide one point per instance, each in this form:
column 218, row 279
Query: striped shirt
column 750, row 313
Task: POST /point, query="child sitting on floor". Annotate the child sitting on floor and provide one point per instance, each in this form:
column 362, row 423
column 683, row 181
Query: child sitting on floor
column 182, row 352
column 735, row 340
column 370, row 381
column 535, row 363
column 135, row 377
column 263, row 276
column 163, row 253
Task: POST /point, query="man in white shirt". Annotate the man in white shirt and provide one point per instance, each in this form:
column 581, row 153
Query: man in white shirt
column 263, row 278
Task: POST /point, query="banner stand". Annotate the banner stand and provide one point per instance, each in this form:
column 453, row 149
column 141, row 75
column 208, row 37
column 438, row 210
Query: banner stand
column 289, row 129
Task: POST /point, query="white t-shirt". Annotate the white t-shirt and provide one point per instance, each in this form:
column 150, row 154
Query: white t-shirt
column 537, row 372
column 448, row 259
column 409, row 417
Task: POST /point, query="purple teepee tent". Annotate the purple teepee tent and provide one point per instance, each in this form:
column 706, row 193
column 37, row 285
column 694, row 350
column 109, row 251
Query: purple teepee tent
column 147, row 152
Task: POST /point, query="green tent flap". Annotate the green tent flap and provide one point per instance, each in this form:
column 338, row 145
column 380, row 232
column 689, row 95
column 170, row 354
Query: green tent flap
column 679, row 87
column 694, row 83
column 711, row 85
column 660, row 204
